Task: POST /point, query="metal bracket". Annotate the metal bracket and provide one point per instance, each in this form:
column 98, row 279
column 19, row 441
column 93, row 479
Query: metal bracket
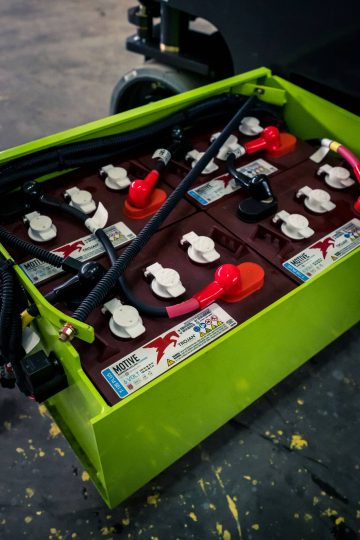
column 268, row 94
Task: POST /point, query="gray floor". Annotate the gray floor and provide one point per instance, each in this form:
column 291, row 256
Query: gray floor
column 58, row 64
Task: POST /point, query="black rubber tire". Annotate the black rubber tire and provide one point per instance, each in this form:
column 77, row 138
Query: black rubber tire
column 151, row 82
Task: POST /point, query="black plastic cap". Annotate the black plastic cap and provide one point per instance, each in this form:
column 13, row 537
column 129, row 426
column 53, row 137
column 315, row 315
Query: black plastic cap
column 251, row 211
column 44, row 375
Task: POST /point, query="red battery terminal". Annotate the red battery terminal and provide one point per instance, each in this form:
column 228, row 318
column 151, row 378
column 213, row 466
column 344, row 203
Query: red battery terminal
column 143, row 198
column 275, row 143
column 232, row 283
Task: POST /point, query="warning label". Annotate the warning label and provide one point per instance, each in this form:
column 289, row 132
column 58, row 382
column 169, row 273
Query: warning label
column 132, row 372
column 326, row 251
column 224, row 185
column 84, row 249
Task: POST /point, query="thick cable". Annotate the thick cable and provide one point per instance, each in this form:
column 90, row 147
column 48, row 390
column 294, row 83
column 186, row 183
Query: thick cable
column 30, row 249
column 239, row 177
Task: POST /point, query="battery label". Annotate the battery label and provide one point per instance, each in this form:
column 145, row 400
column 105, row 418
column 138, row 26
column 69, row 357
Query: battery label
column 223, row 185
column 140, row 367
column 83, row 249
column 325, row 252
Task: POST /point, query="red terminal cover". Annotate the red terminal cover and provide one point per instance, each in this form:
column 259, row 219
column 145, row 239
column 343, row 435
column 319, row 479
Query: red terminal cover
column 232, row 283
column 275, row 143
column 157, row 199
column 140, row 191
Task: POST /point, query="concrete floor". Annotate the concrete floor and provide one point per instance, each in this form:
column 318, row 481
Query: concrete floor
column 247, row 481
column 59, row 63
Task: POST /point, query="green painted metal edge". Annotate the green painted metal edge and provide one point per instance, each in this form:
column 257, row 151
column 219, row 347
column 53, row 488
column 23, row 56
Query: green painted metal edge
column 268, row 94
column 312, row 117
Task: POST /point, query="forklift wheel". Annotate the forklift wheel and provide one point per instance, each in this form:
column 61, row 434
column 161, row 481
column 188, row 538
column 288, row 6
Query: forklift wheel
column 149, row 83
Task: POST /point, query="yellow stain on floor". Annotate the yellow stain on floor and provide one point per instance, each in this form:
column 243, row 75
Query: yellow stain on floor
column 201, row 483
column 255, row 526
column 29, row 492
column 54, row 430
column 217, row 472
column 43, row 410
column 60, row 452
column 28, row 519
column 153, row 499
column 297, row 442
column 234, row 511
column 308, row 517
column 300, row 401
column 20, row 450
column 247, row 477
column 270, row 435
column 226, row 535
column 315, row 500
column 193, row 516
column 212, row 506
column 125, row 520
column 85, row 477
column 339, row 520
column 329, row 512
column 219, row 528
column 105, row 531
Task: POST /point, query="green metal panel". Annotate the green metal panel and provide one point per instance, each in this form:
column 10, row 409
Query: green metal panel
column 126, row 445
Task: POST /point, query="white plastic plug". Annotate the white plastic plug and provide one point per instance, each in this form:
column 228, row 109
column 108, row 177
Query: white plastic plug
column 125, row 321
column 322, row 151
column 295, row 226
column 336, row 177
column 80, row 199
column 98, row 220
column 250, row 126
column 41, row 228
column 201, row 249
column 116, row 178
column 230, row 146
column 316, row 200
column 194, row 155
column 166, row 282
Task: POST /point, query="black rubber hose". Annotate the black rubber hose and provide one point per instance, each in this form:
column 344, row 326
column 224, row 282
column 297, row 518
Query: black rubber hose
column 7, row 309
column 239, row 177
column 30, row 249
column 146, row 309
column 62, row 207
column 152, row 311
column 109, row 280
column 67, row 156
